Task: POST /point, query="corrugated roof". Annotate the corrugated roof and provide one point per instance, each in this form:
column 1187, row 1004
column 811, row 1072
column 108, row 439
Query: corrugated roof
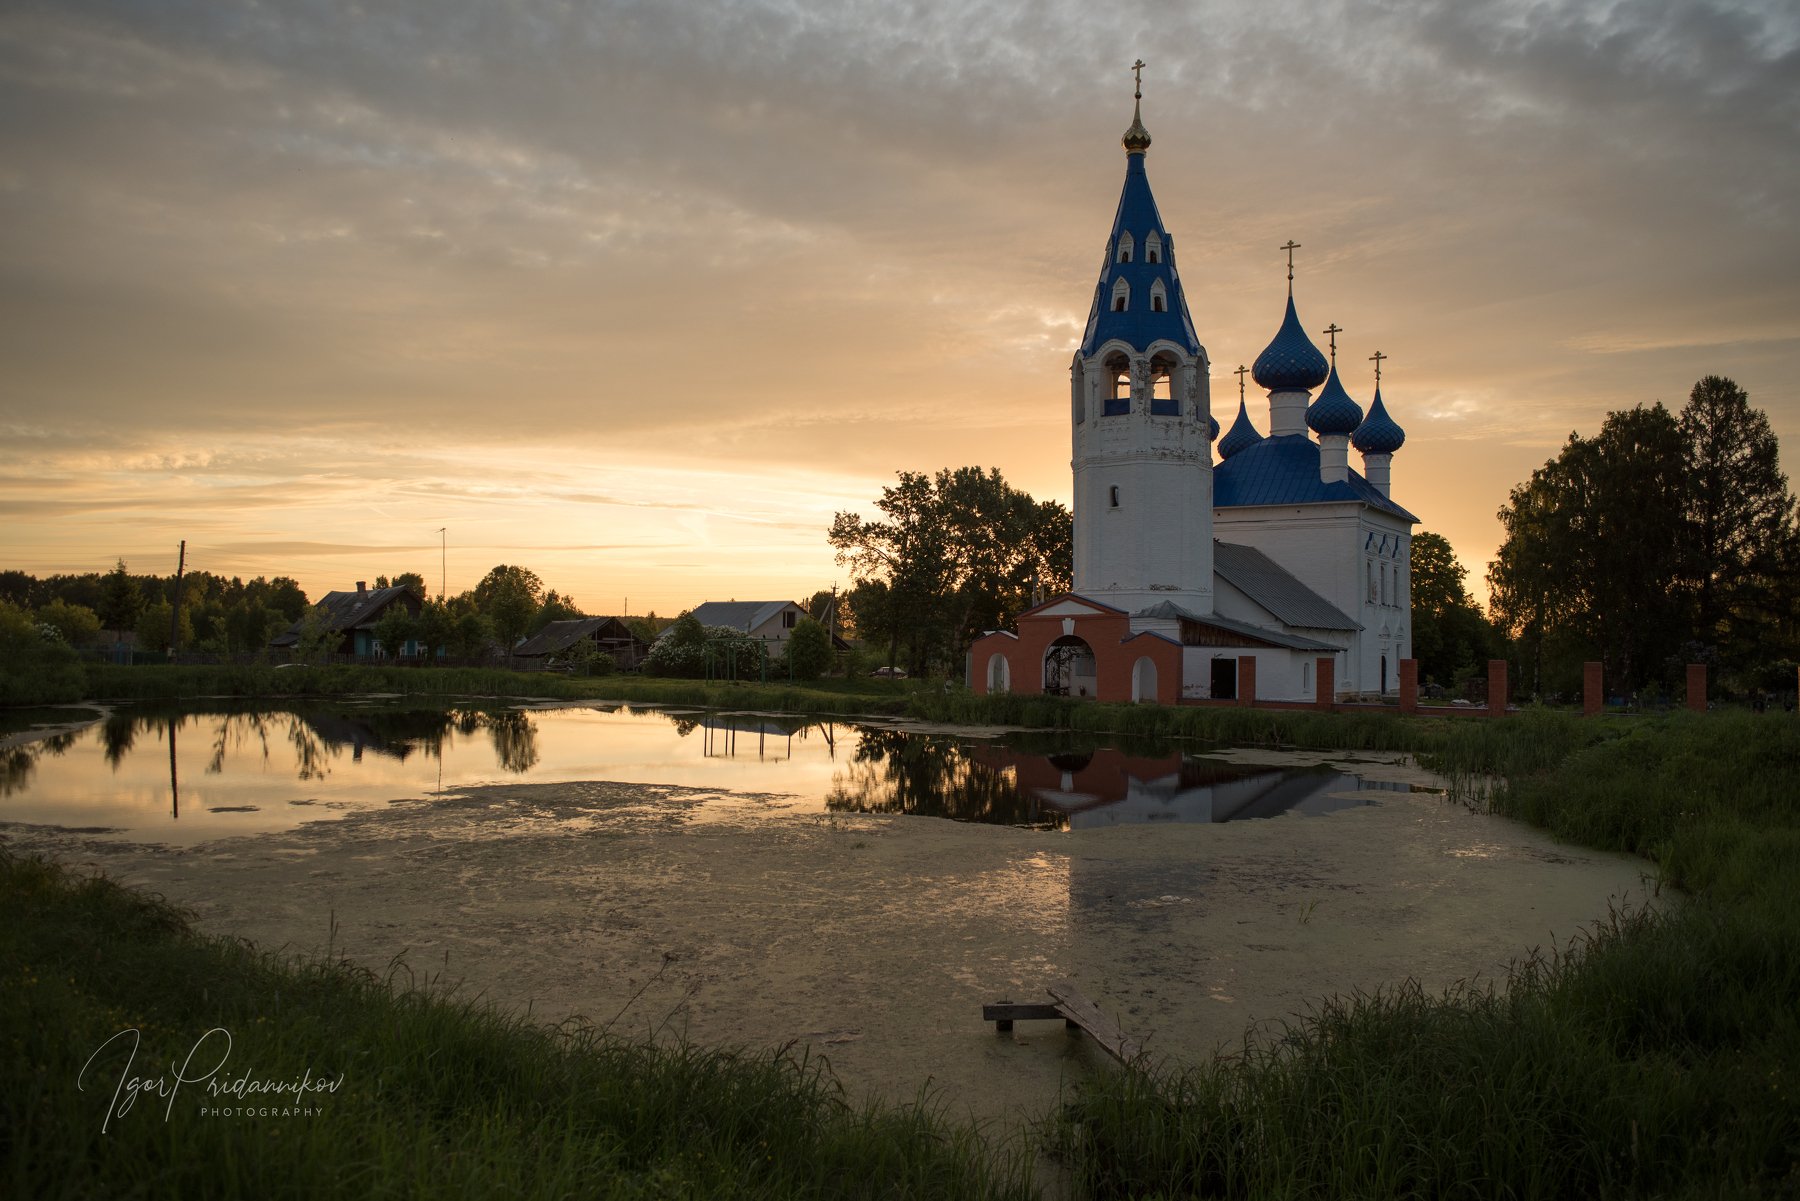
column 345, row 611
column 561, row 635
column 1284, row 470
column 1270, row 585
column 738, row 615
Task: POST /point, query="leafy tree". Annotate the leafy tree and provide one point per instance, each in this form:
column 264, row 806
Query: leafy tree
column 435, row 628
column 509, row 597
column 648, row 627
column 36, row 666
column 121, row 601
column 555, row 608
column 809, row 649
column 1450, row 635
column 471, row 634
column 412, row 581
column 154, row 624
column 958, row 553
column 1739, row 513
column 395, row 628
column 1650, row 543
column 316, row 638
column 77, row 625
column 586, row 657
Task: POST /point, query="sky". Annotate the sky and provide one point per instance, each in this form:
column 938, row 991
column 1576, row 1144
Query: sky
column 638, row 295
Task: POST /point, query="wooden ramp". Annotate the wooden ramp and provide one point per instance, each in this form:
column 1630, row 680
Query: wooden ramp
column 1077, row 1013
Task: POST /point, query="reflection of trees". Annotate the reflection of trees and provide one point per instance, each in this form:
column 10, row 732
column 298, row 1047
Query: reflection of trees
column 932, row 776
column 18, row 763
column 515, row 740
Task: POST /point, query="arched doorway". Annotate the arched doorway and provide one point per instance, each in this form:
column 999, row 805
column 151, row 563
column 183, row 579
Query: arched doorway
column 1069, row 667
column 1143, row 679
column 999, row 675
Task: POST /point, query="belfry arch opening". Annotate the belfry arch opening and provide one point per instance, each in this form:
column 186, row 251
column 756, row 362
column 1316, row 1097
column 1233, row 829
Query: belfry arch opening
column 999, row 674
column 1118, row 376
column 1162, row 386
column 1069, row 668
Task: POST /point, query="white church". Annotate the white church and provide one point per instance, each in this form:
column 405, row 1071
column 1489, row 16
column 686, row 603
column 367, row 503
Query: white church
column 1272, row 572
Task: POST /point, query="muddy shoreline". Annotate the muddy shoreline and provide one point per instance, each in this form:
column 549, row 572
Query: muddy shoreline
column 732, row 919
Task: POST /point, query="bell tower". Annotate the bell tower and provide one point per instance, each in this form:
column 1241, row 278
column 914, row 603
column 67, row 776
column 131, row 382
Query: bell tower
column 1141, row 416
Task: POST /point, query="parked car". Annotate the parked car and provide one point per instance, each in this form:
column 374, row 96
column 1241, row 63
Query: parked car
column 889, row 673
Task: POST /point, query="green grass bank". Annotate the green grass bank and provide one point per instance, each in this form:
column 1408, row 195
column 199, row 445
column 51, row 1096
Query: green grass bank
column 1659, row 1057
column 435, row 1098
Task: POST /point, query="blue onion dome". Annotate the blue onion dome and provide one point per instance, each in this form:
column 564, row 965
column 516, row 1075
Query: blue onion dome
column 1291, row 362
column 1379, row 434
column 1212, row 428
column 1243, row 435
column 1334, row 412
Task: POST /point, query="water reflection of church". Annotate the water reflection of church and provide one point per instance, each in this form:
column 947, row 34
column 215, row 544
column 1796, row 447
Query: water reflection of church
column 1109, row 787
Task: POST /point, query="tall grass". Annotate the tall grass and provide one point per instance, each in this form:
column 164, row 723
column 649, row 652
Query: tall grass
column 1659, row 1056
column 438, row 1098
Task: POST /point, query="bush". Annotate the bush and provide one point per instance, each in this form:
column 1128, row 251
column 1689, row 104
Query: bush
column 809, row 650
column 36, row 665
column 690, row 650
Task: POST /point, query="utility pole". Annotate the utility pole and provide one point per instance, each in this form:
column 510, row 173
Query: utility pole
column 175, row 619
column 443, row 560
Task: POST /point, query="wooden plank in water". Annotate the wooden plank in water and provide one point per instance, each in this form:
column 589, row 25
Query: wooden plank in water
column 1013, row 1011
column 1105, row 1031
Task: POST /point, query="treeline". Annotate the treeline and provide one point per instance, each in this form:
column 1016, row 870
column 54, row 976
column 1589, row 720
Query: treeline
column 231, row 616
column 1663, row 540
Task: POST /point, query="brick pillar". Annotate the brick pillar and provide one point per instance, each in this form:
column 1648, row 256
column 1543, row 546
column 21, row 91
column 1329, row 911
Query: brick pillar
column 1496, row 687
column 1409, row 685
column 1593, row 689
column 1325, row 681
column 1246, row 679
column 1697, row 687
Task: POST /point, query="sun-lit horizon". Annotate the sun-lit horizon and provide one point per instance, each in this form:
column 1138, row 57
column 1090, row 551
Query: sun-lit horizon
column 639, row 298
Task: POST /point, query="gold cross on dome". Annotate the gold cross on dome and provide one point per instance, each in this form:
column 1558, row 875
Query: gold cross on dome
column 1334, row 329
column 1137, row 69
column 1376, row 359
column 1240, row 372
column 1290, row 248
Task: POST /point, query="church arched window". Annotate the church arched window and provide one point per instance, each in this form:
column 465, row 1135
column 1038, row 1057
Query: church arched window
column 1152, row 247
column 1118, row 376
column 1112, row 495
column 1121, row 296
column 1162, row 386
column 1123, row 254
column 1159, row 297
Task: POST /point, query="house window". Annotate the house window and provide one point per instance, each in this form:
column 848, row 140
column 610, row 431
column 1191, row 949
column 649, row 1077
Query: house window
column 788, row 618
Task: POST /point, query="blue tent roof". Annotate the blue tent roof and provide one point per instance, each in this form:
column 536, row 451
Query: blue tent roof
column 1291, row 362
column 1284, row 470
column 1138, row 326
column 1243, row 434
column 1334, row 412
column 1380, row 434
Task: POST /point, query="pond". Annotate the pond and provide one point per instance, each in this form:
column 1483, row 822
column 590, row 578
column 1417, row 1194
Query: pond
column 190, row 773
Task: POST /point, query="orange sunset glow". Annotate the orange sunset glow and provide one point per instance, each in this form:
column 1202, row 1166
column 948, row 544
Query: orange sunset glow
column 639, row 295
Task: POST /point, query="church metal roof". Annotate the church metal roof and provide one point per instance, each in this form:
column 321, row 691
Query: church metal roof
column 1284, row 470
column 1242, row 629
column 1270, row 585
column 1138, row 326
